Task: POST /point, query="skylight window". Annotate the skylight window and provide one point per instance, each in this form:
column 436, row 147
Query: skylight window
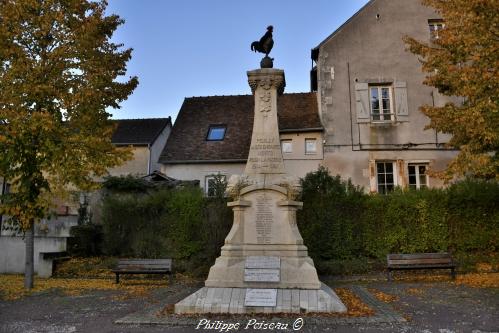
column 216, row 133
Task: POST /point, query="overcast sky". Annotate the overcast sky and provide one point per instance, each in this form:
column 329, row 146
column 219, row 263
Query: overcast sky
column 202, row 47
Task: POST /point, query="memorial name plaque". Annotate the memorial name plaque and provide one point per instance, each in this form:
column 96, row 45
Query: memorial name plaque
column 260, row 297
column 262, row 262
column 261, row 275
column 264, row 220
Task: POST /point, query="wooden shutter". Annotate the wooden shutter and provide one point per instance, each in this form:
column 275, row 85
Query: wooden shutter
column 401, row 107
column 362, row 102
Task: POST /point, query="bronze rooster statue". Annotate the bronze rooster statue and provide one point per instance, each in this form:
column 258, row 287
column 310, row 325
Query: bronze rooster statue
column 265, row 44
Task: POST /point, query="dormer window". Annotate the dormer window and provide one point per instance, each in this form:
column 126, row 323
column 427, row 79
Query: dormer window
column 216, row 133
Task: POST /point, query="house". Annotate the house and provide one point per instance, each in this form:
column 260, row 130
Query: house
column 369, row 91
column 212, row 136
column 147, row 137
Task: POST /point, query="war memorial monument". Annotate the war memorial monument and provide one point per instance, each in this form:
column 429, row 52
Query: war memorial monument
column 264, row 265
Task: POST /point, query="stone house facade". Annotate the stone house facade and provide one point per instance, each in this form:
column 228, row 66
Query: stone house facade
column 369, row 90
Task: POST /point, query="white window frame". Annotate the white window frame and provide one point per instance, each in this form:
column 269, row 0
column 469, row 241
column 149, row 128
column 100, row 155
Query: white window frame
column 417, row 175
column 283, row 141
column 310, row 152
column 394, row 175
column 383, row 117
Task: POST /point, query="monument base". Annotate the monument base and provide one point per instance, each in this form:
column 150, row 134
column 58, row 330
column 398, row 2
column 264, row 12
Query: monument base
column 234, row 300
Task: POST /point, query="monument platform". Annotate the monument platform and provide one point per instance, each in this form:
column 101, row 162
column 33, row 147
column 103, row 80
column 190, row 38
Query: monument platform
column 236, row 300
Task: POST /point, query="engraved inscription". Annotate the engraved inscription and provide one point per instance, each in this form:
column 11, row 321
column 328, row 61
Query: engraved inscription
column 260, row 297
column 262, row 262
column 261, row 275
column 265, row 155
column 264, row 220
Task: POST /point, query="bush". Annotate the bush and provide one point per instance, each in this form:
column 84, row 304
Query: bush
column 176, row 223
column 86, row 240
column 343, row 226
column 329, row 220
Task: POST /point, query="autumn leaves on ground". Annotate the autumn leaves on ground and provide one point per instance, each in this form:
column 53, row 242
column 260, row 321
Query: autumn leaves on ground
column 80, row 276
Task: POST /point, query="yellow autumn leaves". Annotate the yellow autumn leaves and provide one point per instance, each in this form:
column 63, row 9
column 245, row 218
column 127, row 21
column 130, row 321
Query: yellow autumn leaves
column 12, row 286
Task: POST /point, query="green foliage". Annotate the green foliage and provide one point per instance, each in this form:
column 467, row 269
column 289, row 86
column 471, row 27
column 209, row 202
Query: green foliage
column 340, row 224
column 329, row 218
column 177, row 223
column 128, row 183
column 86, row 240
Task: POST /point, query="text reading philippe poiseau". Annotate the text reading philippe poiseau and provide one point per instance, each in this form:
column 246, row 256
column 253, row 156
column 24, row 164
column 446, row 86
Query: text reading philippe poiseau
column 250, row 324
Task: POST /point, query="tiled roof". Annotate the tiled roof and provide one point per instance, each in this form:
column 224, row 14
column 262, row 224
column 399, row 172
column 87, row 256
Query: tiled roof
column 139, row 131
column 187, row 141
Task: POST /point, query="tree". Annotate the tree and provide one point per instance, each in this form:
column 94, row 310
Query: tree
column 464, row 61
column 58, row 74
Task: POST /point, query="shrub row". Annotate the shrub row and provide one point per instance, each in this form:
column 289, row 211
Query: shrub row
column 339, row 223
column 177, row 223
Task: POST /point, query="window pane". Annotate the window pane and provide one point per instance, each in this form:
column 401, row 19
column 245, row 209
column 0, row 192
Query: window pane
column 412, row 169
column 385, row 93
column 374, row 100
column 381, row 179
column 422, row 180
column 380, row 167
column 389, row 167
column 310, row 146
column 211, row 187
column 412, row 179
column 422, row 169
column 287, row 146
column 216, row 133
column 386, row 106
column 389, row 178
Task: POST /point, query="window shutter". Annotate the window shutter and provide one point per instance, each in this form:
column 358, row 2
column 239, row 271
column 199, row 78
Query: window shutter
column 401, row 107
column 362, row 102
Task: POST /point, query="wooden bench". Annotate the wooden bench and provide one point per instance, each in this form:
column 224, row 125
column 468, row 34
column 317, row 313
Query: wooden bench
column 143, row 266
column 420, row 261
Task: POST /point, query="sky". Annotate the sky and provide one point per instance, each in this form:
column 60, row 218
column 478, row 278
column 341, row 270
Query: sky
column 202, row 47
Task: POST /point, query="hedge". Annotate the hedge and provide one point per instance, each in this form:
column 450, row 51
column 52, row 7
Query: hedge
column 339, row 223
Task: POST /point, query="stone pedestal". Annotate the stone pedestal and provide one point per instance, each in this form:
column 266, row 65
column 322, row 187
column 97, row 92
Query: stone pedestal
column 264, row 265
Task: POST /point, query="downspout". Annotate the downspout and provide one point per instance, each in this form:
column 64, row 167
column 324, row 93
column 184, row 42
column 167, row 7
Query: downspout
column 149, row 159
column 350, row 105
column 4, row 189
column 433, row 104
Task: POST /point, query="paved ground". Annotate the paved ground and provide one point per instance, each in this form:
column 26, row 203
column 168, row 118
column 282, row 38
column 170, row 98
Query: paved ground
column 439, row 307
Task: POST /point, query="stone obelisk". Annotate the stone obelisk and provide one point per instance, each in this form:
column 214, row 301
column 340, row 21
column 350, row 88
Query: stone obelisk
column 264, row 265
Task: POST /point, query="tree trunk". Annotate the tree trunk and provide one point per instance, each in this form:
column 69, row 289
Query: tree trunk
column 29, row 262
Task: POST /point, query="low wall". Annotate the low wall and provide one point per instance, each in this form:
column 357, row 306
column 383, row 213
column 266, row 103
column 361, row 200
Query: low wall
column 13, row 251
